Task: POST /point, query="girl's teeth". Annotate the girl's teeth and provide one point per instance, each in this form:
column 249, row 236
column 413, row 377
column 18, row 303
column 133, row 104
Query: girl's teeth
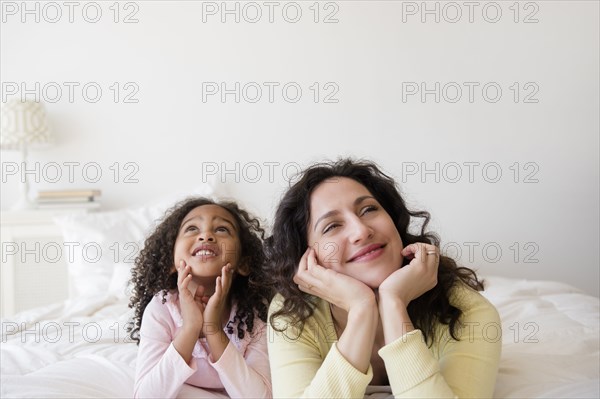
column 204, row 252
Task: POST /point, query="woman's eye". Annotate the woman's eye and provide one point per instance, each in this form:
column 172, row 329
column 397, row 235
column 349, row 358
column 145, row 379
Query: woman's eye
column 330, row 227
column 368, row 209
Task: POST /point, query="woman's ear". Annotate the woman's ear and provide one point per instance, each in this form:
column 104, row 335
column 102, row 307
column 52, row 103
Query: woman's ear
column 244, row 267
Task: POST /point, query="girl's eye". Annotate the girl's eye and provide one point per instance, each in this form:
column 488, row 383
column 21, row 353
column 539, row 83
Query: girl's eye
column 222, row 229
column 190, row 228
column 330, row 227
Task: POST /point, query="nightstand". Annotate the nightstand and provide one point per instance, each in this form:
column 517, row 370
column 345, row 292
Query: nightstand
column 34, row 260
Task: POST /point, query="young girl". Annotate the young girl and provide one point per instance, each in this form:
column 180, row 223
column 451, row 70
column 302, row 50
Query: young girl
column 199, row 315
column 364, row 304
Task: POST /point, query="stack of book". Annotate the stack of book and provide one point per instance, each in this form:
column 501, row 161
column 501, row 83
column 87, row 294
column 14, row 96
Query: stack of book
column 56, row 199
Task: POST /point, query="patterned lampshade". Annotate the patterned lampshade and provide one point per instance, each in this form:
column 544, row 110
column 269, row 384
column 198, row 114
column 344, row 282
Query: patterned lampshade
column 24, row 124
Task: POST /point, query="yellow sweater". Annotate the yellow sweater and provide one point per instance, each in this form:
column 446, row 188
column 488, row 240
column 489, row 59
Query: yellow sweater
column 309, row 365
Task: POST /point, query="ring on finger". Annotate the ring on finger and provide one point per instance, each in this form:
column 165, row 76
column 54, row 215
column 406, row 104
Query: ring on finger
column 432, row 253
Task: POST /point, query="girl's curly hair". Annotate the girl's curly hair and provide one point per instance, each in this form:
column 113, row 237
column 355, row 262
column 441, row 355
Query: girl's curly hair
column 153, row 271
column 289, row 241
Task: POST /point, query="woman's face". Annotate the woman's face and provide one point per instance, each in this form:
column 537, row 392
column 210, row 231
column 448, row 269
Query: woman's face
column 352, row 233
column 207, row 240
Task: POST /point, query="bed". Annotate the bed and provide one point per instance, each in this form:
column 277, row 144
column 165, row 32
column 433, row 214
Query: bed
column 79, row 348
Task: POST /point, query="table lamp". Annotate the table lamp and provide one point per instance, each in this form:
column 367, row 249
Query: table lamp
column 24, row 125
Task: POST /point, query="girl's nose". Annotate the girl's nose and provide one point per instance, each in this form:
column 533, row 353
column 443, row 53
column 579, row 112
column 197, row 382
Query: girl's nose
column 206, row 236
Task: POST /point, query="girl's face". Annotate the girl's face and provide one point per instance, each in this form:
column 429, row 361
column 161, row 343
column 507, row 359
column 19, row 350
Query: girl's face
column 352, row 233
column 207, row 240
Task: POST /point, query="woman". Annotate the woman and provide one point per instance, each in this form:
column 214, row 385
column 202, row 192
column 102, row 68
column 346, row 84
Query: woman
column 364, row 301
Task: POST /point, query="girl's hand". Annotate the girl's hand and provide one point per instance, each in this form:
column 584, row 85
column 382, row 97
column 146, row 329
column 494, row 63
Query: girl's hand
column 192, row 306
column 336, row 288
column 416, row 278
column 216, row 304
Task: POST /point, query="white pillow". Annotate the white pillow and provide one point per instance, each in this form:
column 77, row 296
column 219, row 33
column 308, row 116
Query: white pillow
column 119, row 284
column 105, row 244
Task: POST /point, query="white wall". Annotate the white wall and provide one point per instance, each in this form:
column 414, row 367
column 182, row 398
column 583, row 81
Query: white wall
column 171, row 136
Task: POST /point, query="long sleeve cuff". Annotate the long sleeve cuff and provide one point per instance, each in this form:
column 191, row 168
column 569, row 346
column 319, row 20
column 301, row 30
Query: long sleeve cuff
column 347, row 381
column 228, row 357
column 166, row 378
column 238, row 377
column 408, row 361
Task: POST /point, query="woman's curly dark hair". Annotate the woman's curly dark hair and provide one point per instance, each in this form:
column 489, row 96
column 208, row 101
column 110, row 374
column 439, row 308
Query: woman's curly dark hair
column 153, row 271
column 289, row 241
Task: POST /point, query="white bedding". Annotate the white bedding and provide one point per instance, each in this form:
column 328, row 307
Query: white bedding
column 550, row 334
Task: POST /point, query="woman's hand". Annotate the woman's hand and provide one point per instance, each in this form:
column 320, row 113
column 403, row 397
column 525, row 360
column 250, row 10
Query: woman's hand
column 336, row 288
column 416, row 278
column 355, row 342
column 191, row 303
column 404, row 285
column 216, row 304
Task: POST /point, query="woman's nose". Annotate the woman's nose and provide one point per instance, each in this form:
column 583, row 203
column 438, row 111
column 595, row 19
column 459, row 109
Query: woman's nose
column 359, row 230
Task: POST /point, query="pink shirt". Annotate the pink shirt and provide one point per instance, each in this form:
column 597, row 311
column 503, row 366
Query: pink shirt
column 242, row 371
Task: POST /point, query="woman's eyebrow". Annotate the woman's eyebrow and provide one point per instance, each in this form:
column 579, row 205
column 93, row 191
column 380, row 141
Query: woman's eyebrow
column 362, row 198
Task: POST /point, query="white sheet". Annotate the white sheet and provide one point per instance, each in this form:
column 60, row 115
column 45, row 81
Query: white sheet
column 550, row 342
column 74, row 351
column 550, row 335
